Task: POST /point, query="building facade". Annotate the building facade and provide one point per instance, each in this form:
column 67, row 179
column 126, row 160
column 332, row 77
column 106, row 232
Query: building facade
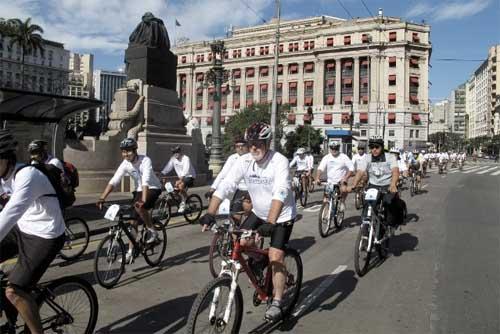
column 80, row 84
column 105, row 85
column 44, row 72
column 457, row 110
column 440, row 117
column 374, row 68
column 494, row 66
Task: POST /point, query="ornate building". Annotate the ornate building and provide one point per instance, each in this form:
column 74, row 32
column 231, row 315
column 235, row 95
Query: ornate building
column 375, row 68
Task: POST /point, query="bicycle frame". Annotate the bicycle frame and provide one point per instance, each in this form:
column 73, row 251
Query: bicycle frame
column 374, row 222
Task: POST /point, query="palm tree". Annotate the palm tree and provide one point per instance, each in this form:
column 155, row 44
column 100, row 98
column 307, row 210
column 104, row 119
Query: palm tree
column 28, row 37
column 6, row 28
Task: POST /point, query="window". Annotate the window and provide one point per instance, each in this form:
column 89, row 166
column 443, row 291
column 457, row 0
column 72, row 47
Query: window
column 393, row 36
column 308, row 93
column 250, row 72
column 363, row 133
column 308, row 45
column 346, row 118
column 292, row 93
column 415, row 38
column 249, row 95
column 347, row 40
column 411, row 133
column 263, row 93
column 237, row 73
column 329, row 41
column 392, row 80
column 280, row 69
column 391, row 118
column 236, row 97
column 413, row 99
column 183, row 59
column 392, row 98
column 392, row 61
column 250, row 52
column 279, row 93
column 363, row 118
column 237, row 53
column 264, row 71
column 365, row 38
column 309, row 68
column 327, row 118
column 414, row 61
column 417, row 132
column 281, row 48
column 391, row 133
column 293, row 69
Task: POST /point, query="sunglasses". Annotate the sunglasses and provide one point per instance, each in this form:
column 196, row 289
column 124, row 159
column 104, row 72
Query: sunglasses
column 240, row 145
column 256, row 143
column 374, row 146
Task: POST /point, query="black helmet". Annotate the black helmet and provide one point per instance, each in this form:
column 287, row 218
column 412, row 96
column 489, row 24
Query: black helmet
column 7, row 142
column 176, row 149
column 376, row 140
column 128, row 144
column 240, row 140
column 361, row 145
column 37, row 145
column 258, row 131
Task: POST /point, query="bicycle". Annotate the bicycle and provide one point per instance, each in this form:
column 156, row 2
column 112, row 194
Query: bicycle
column 111, row 249
column 222, row 297
column 299, row 187
column 311, row 183
column 77, row 236
column 66, row 305
column 330, row 210
column 359, row 198
column 170, row 198
column 374, row 232
column 413, row 183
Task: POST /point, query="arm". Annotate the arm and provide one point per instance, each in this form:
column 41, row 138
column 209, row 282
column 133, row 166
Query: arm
column 224, row 172
column 320, row 170
column 168, row 167
column 186, row 165
column 350, row 167
column 113, row 183
column 394, row 181
column 293, row 162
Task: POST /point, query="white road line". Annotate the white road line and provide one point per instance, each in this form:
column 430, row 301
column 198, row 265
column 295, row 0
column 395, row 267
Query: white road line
column 314, row 208
column 424, row 186
column 496, row 173
column 487, row 170
column 475, row 170
column 453, row 171
column 311, row 298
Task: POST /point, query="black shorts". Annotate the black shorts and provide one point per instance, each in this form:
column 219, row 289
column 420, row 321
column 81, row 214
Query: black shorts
column 188, row 181
column 237, row 202
column 34, row 256
column 151, row 198
column 281, row 232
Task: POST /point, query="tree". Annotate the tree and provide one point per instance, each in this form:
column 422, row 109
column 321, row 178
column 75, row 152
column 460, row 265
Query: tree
column 447, row 141
column 28, row 37
column 6, row 28
column 303, row 136
column 237, row 124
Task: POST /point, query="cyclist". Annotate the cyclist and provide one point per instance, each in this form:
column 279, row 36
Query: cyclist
column 359, row 155
column 403, row 169
column 147, row 187
column 267, row 176
column 185, row 172
column 38, row 150
column 310, row 159
column 339, row 168
column 241, row 148
column 303, row 166
column 383, row 174
column 31, row 227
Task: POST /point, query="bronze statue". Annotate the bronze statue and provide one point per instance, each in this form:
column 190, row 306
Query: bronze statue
column 151, row 32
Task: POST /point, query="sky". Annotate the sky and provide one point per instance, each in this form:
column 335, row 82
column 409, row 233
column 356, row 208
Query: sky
column 460, row 29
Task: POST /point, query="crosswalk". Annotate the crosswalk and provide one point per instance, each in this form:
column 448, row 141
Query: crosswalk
column 492, row 169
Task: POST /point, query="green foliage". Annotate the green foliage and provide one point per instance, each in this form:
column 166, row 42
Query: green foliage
column 484, row 144
column 302, row 137
column 237, row 124
column 447, row 141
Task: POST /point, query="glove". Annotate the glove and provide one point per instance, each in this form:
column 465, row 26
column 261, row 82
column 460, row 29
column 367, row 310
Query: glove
column 100, row 203
column 207, row 219
column 266, row 230
column 209, row 193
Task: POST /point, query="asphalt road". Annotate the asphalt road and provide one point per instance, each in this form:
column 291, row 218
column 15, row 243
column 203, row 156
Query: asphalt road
column 442, row 276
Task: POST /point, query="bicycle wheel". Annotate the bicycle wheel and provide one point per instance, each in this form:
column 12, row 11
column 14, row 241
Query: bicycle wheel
column 207, row 312
column 311, row 186
column 194, row 207
column 362, row 255
column 324, row 221
column 220, row 250
column 303, row 197
column 68, row 305
column 339, row 215
column 77, row 237
column 154, row 252
column 412, row 188
column 109, row 261
column 293, row 284
column 162, row 211
column 383, row 248
column 357, row 200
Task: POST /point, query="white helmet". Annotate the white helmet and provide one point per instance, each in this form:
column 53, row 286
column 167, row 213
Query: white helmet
column 301, row 151
column 394, row 150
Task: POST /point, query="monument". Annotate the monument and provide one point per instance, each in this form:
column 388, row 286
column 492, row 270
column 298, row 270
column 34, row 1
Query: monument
column 147, row 109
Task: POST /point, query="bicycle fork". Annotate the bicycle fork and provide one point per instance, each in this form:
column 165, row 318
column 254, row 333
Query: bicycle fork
column 232, row 291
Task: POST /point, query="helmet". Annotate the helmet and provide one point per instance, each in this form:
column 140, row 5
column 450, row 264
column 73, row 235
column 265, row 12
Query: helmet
column 422, row 151
column 361, row 145
column 334, row 143
column 7, row 142
column 376, row 140
column 176, row 149
column 128, row 144
column 394, row 150
column 301, row 151
column 37, row 145
column 258, row 131
column 240, row 140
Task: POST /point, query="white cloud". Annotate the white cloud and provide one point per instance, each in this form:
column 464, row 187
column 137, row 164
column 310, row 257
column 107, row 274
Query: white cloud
column 106, row 25
column 448, row 10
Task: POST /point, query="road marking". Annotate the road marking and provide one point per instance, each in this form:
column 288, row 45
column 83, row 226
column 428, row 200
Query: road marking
column 487, row 170
column 424, row 186
column 496, row 173
column 453, row 171
column 475, row 169
column 314, row 208
column 311, row 298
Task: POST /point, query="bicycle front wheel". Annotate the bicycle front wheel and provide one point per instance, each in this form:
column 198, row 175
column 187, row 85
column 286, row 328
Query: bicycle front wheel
column 362, row 254
column 68, row 305
column 220, row 250
column 293, row 280
column 109, row 261
column 77, row 237
column 324, row 221
column 154, row 252
column 162, row 211
column 210, row 306
column 193, row 209
column 303, row 196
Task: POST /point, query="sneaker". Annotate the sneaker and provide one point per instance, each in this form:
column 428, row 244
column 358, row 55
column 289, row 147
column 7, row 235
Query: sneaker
column 274, row 312
column 153, row 236
column 128, row 257
column 182, row 207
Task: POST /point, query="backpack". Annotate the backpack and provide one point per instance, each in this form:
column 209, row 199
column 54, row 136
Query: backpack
column 65, row 195
column 71, row 173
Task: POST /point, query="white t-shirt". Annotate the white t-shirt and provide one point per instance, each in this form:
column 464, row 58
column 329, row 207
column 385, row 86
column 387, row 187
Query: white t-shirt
column 141, row 170
column 266, row 182
column 182, row 167
column 402, row 166
column 54, row 161
column 6, row 186
column 29, row 207
column 302, row 164
column 356, row 158
column 336, row 167
column 310, row 160
column 228, row 166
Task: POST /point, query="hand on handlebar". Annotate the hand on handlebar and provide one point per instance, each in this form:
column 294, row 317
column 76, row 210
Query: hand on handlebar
column 100, row 203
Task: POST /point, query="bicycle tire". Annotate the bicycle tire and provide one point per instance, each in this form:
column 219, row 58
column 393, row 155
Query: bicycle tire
column 82, row 238
column 193, row 322
column 220, row 246
column 324, row 226
column 361, row 267
column 311, row 186
column 338, row 219
column 303, row 198
column 57, row 322
column 190, row 200
column 160, row 228
column 162, row 211
column 357, row 200
column 294, row 297
column 114, row 257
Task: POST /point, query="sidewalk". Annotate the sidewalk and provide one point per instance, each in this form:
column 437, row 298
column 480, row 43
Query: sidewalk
column 86, row 209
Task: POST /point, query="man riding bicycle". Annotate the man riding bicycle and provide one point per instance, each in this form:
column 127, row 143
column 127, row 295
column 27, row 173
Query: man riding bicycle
column 185, row 172
column 31, row 227
column 147, row 187
column 38, row 150
column 339, row 168
column 303, row 166
column 267, row 175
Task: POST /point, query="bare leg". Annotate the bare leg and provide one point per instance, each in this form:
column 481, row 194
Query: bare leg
column 277, row 260
column 26, row 307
